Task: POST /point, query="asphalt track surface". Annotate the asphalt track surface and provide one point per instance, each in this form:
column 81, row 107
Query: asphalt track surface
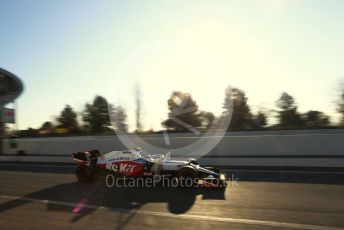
column 48, row 197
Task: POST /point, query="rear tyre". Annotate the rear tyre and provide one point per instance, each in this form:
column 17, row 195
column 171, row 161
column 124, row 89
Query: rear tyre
column 83, row 174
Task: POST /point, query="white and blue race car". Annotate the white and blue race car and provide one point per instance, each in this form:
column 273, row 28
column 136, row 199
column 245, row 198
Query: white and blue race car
column 133, row 163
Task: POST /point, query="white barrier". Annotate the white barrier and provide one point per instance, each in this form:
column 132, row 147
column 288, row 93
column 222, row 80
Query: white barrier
column 311, row 148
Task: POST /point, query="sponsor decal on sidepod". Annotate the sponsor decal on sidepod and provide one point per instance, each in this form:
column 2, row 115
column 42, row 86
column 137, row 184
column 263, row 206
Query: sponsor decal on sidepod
column 128, row 168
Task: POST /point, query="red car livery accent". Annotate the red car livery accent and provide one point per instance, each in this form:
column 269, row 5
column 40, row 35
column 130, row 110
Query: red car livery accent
column 127, row 168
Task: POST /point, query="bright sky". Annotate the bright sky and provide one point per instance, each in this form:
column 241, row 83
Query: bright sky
column 66, row 52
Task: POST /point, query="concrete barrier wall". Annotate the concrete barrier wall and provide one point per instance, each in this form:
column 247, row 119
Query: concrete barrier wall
column 311, row 148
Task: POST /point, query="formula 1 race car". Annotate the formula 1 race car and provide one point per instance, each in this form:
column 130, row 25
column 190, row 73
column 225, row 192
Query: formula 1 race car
column 133, row 163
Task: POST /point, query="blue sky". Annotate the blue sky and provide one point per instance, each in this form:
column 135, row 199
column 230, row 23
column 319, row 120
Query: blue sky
column 66, row 52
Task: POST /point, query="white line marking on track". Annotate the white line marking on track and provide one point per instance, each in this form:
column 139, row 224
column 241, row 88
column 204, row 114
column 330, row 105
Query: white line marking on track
column 183, row 216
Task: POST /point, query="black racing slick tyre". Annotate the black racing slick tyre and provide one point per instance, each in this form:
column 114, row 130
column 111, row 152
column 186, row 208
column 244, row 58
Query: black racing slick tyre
column 187, row 177
column 83, row 174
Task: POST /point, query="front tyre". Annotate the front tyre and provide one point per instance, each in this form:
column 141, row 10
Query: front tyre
column 83, row 174
column 187, row 177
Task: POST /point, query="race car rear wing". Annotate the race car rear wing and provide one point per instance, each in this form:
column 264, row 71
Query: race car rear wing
column 86, row 157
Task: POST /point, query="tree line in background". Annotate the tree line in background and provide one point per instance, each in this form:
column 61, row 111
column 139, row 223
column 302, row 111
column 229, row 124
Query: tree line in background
column 95, row 120
column 185, row 116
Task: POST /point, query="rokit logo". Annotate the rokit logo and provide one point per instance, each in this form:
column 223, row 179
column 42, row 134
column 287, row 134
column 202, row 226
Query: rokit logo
column 121, row 167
